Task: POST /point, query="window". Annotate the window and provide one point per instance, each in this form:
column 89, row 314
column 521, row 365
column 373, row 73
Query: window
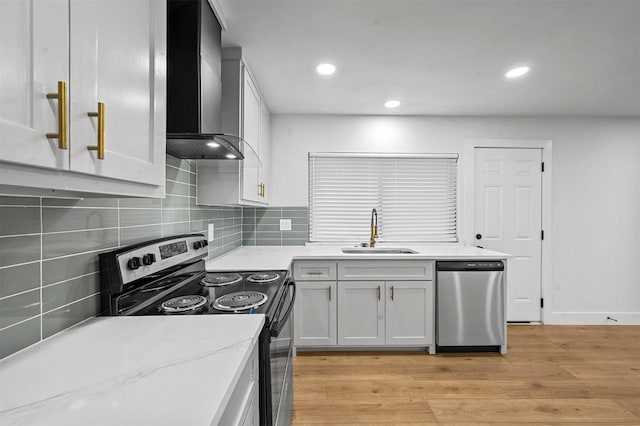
column 414, row 195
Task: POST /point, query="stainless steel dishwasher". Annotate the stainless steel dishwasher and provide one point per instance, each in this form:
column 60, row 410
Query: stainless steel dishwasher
column 470, row 305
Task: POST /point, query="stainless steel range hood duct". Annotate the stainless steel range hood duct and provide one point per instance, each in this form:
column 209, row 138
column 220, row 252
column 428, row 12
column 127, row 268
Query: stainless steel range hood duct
column 194, row 86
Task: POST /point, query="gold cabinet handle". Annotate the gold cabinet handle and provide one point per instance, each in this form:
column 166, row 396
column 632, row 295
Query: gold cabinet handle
column 61, row 96
column 314, row 273
column 329, row 294
column 261, row 190
column 378, row 292
column 101, row 130
column 391, row 292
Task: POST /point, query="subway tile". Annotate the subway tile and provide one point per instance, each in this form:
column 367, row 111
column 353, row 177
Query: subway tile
column 6, row 200
column 268, row 234
column 64, row 243
column 192, row 178
column 268, row 242
column 64, row 268
column 249, row 212
column 18, row 308
column 268, row 227
column 177, row 188
column 270, row 212
column 138, row 234
column 193, row 192
column 302, row 213
column 175, row 201
column 80, row 202
column 20, row 249
column 175, row 215
column 178, row 175
column 294, row 242
column 19, row 336
column 70, row 291
column 268, row 221
column 178, row 163
column 142, row 203
column 175, row 229
column 65, row 317
column 19, row 220
column 57, row 219
column 295, row 235
column 300, row 228
column 17, row 279
column 140, row 217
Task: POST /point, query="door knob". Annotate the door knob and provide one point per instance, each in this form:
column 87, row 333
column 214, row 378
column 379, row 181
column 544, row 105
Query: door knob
column 478, row 236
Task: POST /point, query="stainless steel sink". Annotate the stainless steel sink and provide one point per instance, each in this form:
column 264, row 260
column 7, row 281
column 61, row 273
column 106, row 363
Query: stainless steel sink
column 378, row 250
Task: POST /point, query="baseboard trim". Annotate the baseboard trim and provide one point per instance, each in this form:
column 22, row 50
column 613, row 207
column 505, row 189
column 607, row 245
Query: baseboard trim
column 592, row 318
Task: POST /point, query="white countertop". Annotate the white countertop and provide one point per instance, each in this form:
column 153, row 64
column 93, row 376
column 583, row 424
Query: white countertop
column 279, row 258
column 139, row 371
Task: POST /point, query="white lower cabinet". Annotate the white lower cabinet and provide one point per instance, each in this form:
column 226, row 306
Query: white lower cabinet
column 243, row 406
column 409, row 313
column 337, row 306
column 361, row 313
column 314, row 315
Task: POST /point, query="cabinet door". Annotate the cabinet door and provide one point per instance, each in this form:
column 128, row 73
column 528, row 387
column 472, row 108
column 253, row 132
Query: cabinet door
column 34, row 56
column 410, row 312
column 251, row 134
column 118, row 56
column 315, row 313
column 361, row 313
column 265, row 150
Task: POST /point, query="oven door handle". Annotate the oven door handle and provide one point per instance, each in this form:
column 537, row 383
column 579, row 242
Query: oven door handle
column 278, row 325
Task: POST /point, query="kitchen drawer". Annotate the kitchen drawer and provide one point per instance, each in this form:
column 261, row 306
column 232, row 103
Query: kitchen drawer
column 314, row 271
column 359, row 270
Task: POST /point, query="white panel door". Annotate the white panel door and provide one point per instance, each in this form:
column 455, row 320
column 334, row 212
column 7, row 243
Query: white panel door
column 314, row 314
column 508, row 218
column 34, row 56
column 361, row 313
column 410, row 313
column 118, row 57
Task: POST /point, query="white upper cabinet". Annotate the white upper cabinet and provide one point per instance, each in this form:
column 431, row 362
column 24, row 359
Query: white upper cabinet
column 244, row 113
column 34, row 51
column 108, row 53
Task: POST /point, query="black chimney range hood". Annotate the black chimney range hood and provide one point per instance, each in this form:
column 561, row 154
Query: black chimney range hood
column 194, row 85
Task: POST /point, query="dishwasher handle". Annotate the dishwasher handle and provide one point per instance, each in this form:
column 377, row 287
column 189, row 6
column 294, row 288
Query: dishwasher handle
column 470, row 265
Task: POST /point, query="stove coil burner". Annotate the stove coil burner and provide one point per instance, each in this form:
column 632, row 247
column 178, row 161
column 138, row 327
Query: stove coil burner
column 219, row 280
column 263, row 277
column 240, row 301
column 183, row 304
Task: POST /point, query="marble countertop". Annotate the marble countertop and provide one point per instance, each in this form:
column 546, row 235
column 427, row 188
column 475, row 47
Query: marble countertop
column 129, row 371
column 279, row 258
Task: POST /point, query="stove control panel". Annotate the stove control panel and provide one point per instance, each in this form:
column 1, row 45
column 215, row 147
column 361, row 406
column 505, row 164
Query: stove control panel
column 150, row 259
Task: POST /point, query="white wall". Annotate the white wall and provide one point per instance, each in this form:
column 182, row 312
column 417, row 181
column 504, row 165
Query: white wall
column 595, row 191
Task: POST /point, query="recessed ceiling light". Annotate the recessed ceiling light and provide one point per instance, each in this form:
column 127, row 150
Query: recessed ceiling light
column 231, row 156
column 213, row 144
column 517, row 72
column 326, row 69
column 392, row 103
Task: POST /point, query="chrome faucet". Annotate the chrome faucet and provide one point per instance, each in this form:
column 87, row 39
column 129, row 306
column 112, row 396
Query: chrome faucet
column 374, row 228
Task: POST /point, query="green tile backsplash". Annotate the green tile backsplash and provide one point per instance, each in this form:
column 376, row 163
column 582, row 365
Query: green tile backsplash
column 261, row 226
column 49, row 248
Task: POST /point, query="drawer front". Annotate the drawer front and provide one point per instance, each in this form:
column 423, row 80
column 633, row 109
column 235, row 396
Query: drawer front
column 359, row 270
column 314, row 271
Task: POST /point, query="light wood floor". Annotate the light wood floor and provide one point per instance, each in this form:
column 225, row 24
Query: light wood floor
column 551, row 375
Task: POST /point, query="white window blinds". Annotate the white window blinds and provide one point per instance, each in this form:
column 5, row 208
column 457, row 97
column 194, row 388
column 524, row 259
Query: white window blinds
column 414, row 195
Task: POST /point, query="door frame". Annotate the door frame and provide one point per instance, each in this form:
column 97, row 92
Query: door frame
column 467, row 231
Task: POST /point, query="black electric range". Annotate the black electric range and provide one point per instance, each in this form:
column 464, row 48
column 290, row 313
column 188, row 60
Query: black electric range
column 167, row 277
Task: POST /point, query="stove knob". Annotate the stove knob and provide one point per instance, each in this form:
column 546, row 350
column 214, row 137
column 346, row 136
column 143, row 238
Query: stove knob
column 197, row 245
column 148, row 259
column 204, row 243
column 133, row 263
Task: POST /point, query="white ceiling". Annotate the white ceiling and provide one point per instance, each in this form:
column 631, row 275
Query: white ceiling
column 442, row 57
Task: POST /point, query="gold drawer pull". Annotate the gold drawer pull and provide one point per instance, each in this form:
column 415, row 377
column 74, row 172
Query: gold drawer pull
column 101, row 130
column 314, row 273
column 61, row 96
column 391, row 292
column 378, row 293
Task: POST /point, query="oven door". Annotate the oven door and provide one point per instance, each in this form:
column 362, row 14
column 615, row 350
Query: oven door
column 281, row 352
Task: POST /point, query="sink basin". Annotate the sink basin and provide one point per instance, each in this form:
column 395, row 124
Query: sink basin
column 376, row 250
